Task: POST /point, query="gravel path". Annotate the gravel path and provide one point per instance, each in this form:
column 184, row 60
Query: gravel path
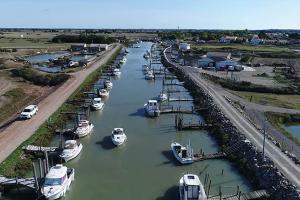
column 19, row 131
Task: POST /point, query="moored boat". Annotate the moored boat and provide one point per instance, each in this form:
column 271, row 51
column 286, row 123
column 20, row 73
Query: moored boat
column 116, row 72
column 97, row 104
column 84, row 128
column 108, row 84
column 183, row 154
column 71, row 150
column 162, row 97
column 118, row 136
column 57, row 182
column 149, row 75
column 190, row 187
column 103, row 93
column 152, row 108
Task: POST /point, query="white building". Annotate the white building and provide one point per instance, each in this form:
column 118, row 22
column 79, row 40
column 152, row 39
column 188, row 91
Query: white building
column 256, row 40
column 228, row 39
column 184, row 47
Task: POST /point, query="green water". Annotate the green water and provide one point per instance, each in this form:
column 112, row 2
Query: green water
column 144, row 168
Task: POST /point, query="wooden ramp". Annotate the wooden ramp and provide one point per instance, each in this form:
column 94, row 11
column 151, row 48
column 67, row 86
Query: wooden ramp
column 36, row 149
column 246, row 196
column 25, row 182
column 201, row 157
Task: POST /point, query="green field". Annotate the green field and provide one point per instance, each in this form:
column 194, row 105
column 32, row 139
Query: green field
column 284, row 101
column 242, row 47
column 30, row 43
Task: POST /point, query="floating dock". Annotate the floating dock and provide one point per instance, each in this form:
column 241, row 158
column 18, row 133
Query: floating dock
column 36, row 149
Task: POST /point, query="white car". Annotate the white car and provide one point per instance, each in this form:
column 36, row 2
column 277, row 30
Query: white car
column 29, row 111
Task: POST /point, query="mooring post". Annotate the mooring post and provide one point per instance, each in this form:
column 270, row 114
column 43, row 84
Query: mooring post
column 47, row 160
column 36, row 183
column 222, row 171
column 237, row 190
column 220, row 192
column 208, row 187
column 240, row 195
column 40, row 168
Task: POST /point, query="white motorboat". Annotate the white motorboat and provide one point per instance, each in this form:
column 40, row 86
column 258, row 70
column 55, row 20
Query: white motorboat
column 149, row 75
column 162, row 97
column 145, row 67
column 108, row 84
column 146, row 56
column 152, row 108
column 71, row 150
column 84, row 128
column 118, row 136
column 97, row 104
column 190, row 187
column 183, row 154
column 116, row 72
column 123, row 60
column 57, row 182
column 103, row 93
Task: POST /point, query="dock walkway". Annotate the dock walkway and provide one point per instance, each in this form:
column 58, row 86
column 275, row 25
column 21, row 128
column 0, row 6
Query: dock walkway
column 246, row 196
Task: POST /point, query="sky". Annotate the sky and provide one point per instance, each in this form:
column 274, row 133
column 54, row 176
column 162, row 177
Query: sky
column 151, row 14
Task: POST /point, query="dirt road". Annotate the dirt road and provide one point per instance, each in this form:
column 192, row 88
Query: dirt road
column 19, row 131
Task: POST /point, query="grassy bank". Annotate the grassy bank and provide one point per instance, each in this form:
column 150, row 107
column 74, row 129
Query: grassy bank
column 13, row 165
column 284, row 101
column 279, row 120
column 16, row 99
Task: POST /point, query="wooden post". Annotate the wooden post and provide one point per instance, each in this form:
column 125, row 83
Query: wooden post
column 238, row 189
column 36, row 183
column 220, row 192
column 208, row 188
column 222, row 171
column 40, row 168
column 47, row 161
column 240, row 195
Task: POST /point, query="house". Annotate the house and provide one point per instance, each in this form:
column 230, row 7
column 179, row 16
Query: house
column 78, row 47
column 104, row 47
column 228, row 39
column 217, row 60
column 184, row 47
column 93, row 48
column 256, row 40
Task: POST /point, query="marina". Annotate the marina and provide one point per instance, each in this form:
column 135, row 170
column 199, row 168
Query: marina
column 144, row 165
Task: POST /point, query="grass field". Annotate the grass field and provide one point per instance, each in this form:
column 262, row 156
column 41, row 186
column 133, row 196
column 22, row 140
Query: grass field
column 285, row 101
column 17, row 100
column 242, row 47
column 30, row 43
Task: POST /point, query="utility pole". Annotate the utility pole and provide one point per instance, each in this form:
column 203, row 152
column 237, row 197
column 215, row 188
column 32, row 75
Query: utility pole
column 264, row 141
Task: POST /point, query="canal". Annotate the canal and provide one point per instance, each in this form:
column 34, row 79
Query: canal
column 144, row 167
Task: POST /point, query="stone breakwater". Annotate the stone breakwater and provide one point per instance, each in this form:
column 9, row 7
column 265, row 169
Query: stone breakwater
column 261, row 172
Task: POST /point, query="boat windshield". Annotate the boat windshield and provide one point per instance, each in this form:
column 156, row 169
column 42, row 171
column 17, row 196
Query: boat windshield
column 117, row 132
column 27, row 110
column 192, row 192
column 69, row 146
column 53, row 181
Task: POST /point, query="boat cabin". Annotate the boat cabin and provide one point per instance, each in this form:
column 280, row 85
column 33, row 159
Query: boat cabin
column 191, row 186
column 70, row 144
column 56, row 176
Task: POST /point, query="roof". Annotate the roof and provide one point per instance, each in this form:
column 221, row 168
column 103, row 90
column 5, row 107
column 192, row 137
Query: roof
column 94, row 45
column 219, row 54
column 217, row 59
column 70, row 142
column 191, row 179
column 79, row 44
column 97, row 99
column 152, row 101
column 58, row 171
column 30, row 107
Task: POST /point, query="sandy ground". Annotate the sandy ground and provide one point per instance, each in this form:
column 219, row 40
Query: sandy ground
column 19, row 131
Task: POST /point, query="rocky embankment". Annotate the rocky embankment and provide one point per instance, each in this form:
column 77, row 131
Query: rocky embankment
column 261, row 171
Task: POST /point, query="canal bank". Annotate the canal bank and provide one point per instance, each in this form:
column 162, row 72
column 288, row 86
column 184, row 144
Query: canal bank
column 144, row 168
column 259, row 169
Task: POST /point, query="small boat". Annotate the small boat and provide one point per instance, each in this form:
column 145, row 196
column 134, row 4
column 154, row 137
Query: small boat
column 118, row 136
column 145, row 67
column 149, row 75
column 97, row 104
column 116, row 72
column 152, row 108
column 126, row 50
column 108, row 84
column 71, row 150
column 57, row 182
column 190, row 187
column 123, row 60
column 103, row 93
column 162, row 97
column 146, row 56
column 84, row 128
column 183, row 154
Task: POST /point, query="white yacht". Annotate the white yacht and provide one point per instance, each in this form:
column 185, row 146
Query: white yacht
column 84, row 128
column 97, row 104
column 71, row 150
column 183, row 154
column 116, row 72
column 123, row 60
column 162, row 97
column 152, row 108
column 149, row 75
column 108, row 84
column 118, row 136
column 190, row 187
column 103, row 93
column 57, row 182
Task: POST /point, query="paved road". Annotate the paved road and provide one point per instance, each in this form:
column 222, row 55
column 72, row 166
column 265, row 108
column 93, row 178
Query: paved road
column 286, row 166
column 19, row 131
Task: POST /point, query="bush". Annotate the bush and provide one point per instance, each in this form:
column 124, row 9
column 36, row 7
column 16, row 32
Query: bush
column 40, row 79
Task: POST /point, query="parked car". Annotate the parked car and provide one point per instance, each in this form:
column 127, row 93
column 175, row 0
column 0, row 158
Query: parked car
column 29, row 111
